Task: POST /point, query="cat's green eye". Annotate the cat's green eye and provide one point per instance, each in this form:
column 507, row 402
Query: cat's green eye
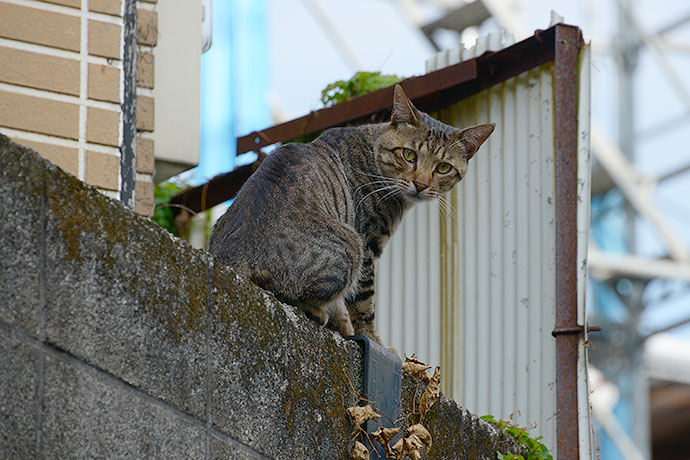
column 409, row 154
column 443, row 168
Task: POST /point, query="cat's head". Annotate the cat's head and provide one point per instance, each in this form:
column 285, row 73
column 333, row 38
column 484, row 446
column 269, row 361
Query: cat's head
column 425, row 157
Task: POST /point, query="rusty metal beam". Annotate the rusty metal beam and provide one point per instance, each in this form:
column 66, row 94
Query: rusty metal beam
column 430, row 92
column 219, row 189
column 359, row 108
column 567, row 44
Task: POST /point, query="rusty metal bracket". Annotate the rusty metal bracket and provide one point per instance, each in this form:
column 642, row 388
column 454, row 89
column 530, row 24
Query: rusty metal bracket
column 574, row 330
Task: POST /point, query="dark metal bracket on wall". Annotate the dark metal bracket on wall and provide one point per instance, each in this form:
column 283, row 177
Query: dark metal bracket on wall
column 382, row 382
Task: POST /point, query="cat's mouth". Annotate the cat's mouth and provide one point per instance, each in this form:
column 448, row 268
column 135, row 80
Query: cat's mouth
column 415, row 196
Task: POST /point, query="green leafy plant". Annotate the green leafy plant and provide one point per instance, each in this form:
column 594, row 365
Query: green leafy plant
column 341, row 90
column 536, row 449
column 164, row 214
column 360, row 83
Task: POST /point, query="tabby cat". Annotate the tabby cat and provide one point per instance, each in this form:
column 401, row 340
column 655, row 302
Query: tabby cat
column 311, row 222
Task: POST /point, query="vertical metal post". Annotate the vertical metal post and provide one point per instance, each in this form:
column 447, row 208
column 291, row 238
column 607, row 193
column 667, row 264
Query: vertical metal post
column 128, row 146
column 636, row 392
column 628, row 46
column 566, row 331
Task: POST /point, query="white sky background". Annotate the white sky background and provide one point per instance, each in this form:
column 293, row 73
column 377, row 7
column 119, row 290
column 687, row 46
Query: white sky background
column 304, row 58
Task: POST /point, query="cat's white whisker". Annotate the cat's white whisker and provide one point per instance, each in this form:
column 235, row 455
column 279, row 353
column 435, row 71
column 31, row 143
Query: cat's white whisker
column 387, row 195
column 447, row 208
column 387, row 187
column 378, row 182
column 372, row 175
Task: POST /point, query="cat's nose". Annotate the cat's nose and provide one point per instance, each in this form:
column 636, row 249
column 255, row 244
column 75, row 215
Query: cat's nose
column 419, row 186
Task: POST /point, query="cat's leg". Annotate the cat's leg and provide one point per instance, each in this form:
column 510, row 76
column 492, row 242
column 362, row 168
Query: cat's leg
column 361, row 307
column 339, row 317
column 316, row 314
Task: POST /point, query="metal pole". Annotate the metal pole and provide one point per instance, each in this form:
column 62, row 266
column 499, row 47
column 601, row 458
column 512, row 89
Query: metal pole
column 628, row 50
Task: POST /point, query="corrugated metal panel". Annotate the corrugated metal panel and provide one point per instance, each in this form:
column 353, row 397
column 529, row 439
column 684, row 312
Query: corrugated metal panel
column 502, row 276
column 409, row 286
column 488, row 315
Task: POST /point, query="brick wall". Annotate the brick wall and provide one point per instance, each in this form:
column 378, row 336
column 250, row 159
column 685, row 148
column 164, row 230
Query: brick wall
column 147, row 36
column 61, row 88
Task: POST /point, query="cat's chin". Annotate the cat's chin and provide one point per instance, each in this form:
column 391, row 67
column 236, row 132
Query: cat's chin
column 415, row 198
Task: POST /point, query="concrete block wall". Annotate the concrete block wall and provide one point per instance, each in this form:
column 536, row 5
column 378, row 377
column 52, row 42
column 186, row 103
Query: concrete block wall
column 61, row 88
column 118, row 340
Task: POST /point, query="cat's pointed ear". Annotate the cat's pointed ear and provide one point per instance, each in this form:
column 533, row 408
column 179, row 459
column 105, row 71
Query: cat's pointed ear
column 474, row 136
column 403, row 111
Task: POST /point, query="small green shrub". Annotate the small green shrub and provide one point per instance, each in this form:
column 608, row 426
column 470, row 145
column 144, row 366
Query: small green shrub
column 164, row 214
column 537, row 450
column 360, row 83
column 341, row 90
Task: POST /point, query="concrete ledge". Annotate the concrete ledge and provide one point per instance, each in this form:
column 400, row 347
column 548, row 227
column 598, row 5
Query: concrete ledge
column 458, row 433
column 118, row 340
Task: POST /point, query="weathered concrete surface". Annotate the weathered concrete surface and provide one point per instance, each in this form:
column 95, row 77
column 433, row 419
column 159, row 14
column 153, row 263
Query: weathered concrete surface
column 124, row 296
column 21, row 192
column 279, row 382
column 456, row 432
column 118, row 340
column 20, row 368
column 87, row 416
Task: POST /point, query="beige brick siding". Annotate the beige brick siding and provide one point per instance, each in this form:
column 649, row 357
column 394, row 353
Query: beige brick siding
column 102, row 170
column 147, row 37
column 61, row 87
column 72, row 3
column 34, row 25
column 103, row 126
column 39, row 71
column 104, row 83
column 40, row 115
column 145, row 70
column 145, row 115
column 145, row 156
column 112, row 7
column 147, row 27
column 104, row 39
column 144, row 192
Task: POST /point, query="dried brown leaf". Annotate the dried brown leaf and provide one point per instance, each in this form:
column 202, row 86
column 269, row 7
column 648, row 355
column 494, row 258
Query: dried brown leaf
column 422, row 433
column 384, row 436
column 359, row 452
column 413, row 447
column 410, row 446
column 431, row 394
column 361, row 414
column 398, row 449
column 415, row 367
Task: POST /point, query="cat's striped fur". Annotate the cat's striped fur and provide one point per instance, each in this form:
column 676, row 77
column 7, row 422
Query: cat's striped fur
column 311, row 222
